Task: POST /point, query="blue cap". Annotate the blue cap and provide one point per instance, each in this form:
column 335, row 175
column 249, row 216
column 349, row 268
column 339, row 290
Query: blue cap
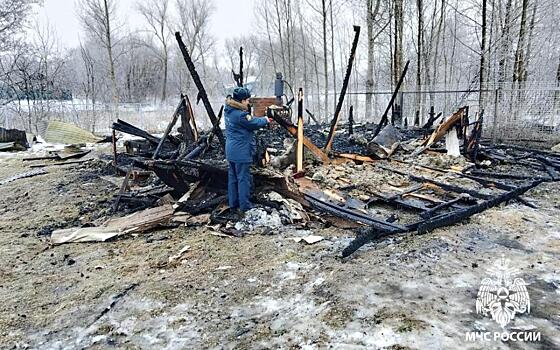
column 241, row 93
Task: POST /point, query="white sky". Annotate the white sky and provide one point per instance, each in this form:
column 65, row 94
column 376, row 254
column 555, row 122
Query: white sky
column 230, row 18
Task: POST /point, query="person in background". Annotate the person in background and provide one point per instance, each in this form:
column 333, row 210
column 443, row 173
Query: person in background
column 240, row 147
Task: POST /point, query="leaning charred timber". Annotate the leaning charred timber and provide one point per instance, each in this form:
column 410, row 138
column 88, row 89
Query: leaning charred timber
column 201, row 91
column 384, row 118
column 334, row 121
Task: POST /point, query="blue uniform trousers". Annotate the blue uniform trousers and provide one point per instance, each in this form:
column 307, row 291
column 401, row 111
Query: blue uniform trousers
column 239, row 185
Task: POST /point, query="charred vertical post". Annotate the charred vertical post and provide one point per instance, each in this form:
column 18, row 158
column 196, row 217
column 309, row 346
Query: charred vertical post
column 114, row 140
column 299, row 150
column 201, row 90
column 334, row 122
column 384, row 118
column 238, row 77
column 351, row 121
column 417, row 119
column 240, row 66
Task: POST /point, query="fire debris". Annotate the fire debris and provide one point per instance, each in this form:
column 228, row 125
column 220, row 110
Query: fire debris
column 385, row 179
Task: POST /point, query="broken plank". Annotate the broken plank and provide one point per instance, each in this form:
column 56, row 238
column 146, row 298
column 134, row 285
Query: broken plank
column 140, row 221
column 292, row 129
column 58, row 164
column 352, row 215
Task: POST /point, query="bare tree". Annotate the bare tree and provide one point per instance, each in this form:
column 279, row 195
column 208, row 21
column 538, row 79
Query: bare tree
column 98, row 18
column 397, row 65
column 519, row 63
column 89, row 86
column 419, row 48
column 155, row 12
column 13, row 17
column 194, row 22
column 372, row 10
column 332, row 52
column 482, row 69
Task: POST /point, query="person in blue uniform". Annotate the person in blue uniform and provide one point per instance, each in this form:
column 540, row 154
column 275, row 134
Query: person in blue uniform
column 240, row 147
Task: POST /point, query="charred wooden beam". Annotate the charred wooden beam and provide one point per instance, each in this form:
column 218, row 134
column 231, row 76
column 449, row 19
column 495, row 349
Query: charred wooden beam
column 353, row 215
column 447, row 187
column 311, row 116
column 384, row 118
column 198, row 150
column 180, row 108
column 292, row 129
column 473, row 142
column 188, row 122
column 334, row 122
column 169, row 173
column 432, row 211
column 122, row 126
column 201, row 90
column 458, row 215
column 496, row 175
column 431, row 120
column 439, row 220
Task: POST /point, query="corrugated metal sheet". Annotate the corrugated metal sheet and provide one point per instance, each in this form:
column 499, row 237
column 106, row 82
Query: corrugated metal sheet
column 60, row 132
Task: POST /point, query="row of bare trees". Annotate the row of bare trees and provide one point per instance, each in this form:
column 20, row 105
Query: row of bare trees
column 450, row 43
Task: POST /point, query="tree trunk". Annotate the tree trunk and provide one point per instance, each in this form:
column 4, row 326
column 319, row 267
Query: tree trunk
column 332, row 53
column 398, row 40
column 111, row 62
column 482, row 70
column 165, row 65
column 505, row 44
column 325, row 58
column 318, row 89
column 304, row 49
column 270, row 40
column 371, row 13
column 529, row 42
column 420, row 45
column 279, row 23
column 519, row 63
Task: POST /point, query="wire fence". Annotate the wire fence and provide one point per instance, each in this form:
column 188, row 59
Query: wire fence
column 97, row 118
column 511, row 112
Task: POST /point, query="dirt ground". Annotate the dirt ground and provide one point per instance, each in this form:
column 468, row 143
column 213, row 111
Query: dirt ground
column 259, row 291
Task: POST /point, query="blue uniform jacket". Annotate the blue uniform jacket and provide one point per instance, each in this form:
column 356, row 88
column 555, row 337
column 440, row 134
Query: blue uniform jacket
column 240, row 136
